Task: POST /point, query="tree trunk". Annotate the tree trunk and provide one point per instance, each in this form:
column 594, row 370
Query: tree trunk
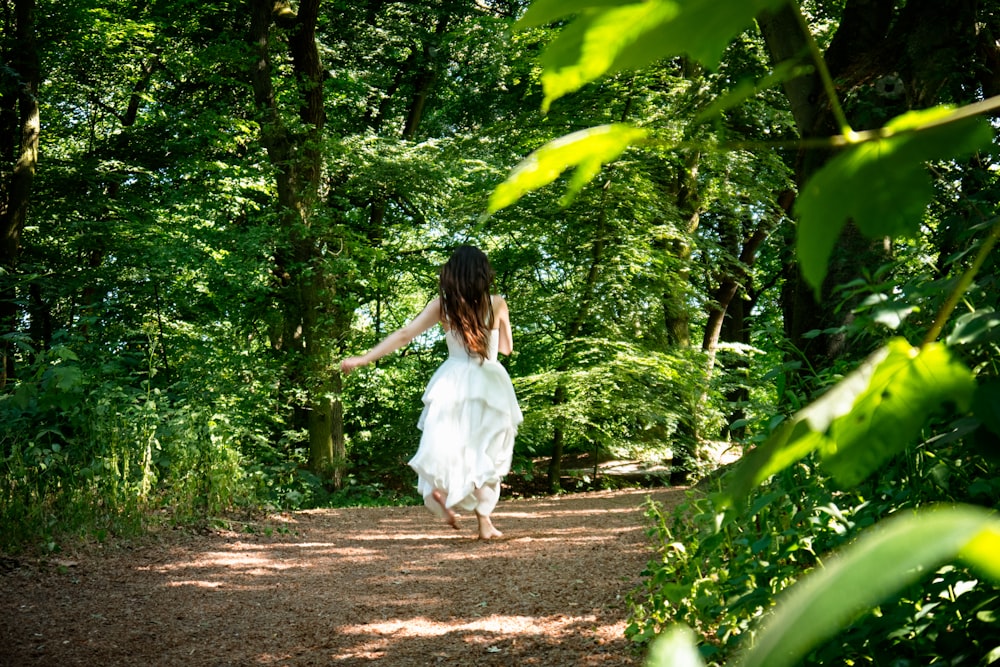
column 305, row 286
column 424, row 79
column 890, row 61
column 558, row 439
column 19, row 118
column 855, row 39
column 676, row 319
column 732, row 278
column 727, row 313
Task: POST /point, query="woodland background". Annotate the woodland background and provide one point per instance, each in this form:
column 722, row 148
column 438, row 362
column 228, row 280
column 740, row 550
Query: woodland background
column 204, row 206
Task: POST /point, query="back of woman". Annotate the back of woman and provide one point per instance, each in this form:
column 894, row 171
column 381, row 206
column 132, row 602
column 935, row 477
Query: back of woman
column 470, row 414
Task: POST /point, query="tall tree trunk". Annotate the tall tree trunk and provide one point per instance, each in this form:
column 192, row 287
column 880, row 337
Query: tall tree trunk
column 916, row 51
column 675, row 304
column 424, row 79
column 676, row 317
column 861, row 21
column 306, row 287
column 19, row 127
column 726, row 312
column 733, row 277
column 686, row 198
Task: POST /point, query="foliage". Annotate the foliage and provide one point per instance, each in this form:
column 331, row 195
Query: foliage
column 153, row 340
column 83, row 453
column 720, row 580
column 727, row 559
column 624, row 400
column 159, row 253
column 603, row 38
column 881, row 183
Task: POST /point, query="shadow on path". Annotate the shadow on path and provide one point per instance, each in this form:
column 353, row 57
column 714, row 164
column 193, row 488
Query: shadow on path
column 348, row 587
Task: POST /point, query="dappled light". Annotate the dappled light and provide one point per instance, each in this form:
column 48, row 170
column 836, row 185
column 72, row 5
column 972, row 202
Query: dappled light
column 273, row 271
column 485, row 634
column 349, row 586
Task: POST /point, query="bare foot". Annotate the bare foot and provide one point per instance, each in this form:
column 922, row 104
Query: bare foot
column 487, row 531
column 449, row 516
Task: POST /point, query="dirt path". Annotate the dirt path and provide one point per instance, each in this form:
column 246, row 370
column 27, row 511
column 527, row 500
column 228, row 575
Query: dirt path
column 346, row 587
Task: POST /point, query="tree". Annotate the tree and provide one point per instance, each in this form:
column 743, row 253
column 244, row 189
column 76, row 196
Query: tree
column 21, row 124
column 306, row 286
column 881, row 60
column 863, row 432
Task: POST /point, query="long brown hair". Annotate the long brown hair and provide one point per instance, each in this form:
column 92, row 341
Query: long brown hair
column 466, row 303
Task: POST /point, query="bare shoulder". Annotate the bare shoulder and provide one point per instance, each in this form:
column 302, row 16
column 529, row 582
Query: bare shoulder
column 433, row 308
column 430, row 316
column 501, row 313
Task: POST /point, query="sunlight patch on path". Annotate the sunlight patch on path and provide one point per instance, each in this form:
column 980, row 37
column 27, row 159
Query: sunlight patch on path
column 425, row 627
column 377, row 637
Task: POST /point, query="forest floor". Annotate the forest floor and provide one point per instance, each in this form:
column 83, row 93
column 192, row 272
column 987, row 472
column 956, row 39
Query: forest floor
column 345, row 587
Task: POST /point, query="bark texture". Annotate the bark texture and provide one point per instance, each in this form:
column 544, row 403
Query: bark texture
column 885, row 61
column 20, row 125
column 306, row 289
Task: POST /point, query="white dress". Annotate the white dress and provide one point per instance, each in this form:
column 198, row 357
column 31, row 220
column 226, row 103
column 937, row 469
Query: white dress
column 468, row 425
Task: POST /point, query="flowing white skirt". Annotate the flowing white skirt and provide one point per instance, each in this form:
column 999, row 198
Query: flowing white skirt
column 468, row 425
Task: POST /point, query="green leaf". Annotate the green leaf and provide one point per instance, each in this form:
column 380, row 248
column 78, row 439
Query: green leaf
column 799, row 436
column 887, row 416
column 67, row 378
column 792, row 441
column 65, row 353
column 598, row 43
column 676, row 647
column 607, row 37
column 24, row 395
column 874, row 412
column 587, row 150
column 894, row 554
column 880, row 185
column 976, row 328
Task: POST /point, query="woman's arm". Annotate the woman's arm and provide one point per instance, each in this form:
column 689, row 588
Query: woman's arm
column 430, row 316
column 502, row 315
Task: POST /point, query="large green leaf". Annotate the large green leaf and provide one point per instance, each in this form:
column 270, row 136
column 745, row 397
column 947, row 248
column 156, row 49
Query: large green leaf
column 587, row 150
column 801, row 435
column 607, row 37
column 906, row 387
column 887, row 558
column 871, row 414
column 881, row 185
column 975, row 328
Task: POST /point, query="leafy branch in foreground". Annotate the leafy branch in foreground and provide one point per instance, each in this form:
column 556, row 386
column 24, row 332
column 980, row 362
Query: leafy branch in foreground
column 884, row 560
column 879, row 182
column 873, row 413
column 607, row 37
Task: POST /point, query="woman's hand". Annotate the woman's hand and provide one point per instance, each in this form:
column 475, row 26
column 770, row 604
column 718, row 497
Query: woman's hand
column 350, row 363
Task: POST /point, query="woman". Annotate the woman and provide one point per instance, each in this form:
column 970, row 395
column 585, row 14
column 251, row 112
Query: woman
column 470, row 414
